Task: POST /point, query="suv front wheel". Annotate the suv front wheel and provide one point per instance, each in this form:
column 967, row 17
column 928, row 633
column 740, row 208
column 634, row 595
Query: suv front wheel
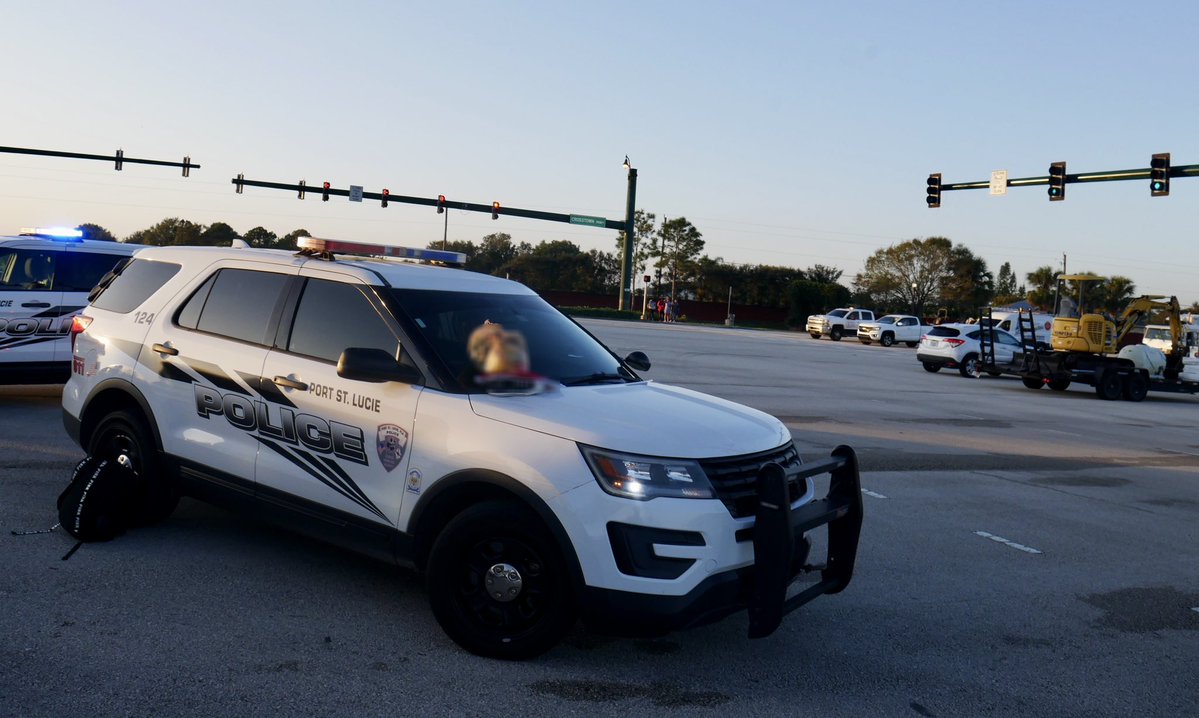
column 498, row 584
column 123, row 436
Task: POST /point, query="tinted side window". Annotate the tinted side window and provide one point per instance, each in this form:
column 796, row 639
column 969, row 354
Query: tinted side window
column 31, row 269
column 134, row 285
column 80, row 271
column 189, row 315
column 241, row 304
column 332, row 317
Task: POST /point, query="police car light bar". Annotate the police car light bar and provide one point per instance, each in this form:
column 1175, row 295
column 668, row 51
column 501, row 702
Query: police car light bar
column 52, row 232
column 316, row 244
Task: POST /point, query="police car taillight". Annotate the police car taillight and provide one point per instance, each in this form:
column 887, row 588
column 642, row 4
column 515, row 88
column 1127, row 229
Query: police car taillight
column 367, row 249
column 79, row 323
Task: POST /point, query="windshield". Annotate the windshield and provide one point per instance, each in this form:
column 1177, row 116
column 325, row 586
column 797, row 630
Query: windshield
column 1160, row 333
column 838, row 313
column 558, row 349
column 887, row 320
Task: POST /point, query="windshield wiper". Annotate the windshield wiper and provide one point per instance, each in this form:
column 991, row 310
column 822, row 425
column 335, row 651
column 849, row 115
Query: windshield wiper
column 600, row 377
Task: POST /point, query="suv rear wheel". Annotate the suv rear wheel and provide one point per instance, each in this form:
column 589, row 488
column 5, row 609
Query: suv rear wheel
column 498, row 584
column 124, row 436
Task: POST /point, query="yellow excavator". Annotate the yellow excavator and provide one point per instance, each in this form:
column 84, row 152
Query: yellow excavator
column 1086, row 346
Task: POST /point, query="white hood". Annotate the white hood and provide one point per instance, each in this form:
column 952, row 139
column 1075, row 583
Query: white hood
column 641, row 418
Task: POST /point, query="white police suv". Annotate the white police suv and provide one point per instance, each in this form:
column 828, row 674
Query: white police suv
column 336, row 394
column 45, row 277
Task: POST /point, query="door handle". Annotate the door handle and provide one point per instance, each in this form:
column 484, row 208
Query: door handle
column 164, row 349
column 290, row 383
column 39, row 305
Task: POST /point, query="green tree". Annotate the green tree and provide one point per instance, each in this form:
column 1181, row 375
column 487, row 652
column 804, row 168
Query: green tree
column 1006, row 291
column 679, row 250
column 260, row 237
column 1115, row 294
column 645, row 241
column 908, row 275
column 968, row 285
column 494, row 251
column 218, row 234
column 1043, row 283
column 95, row 231
column 169, row 232
column 823, row 274
column 560, row 265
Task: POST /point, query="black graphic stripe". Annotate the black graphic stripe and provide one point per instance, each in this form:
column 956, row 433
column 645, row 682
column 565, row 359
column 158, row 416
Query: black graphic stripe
column 314, row 470
column 345, row 478
column 346, row 485
column 215, row 375
column 273, row 393
column 14, row 343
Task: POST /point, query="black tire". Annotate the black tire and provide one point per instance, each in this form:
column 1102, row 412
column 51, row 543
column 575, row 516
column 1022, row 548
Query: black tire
column 1059, row 383
column 969, row 365
column 1136, row 386
column 814, row 335
column 930, row 367
column 126, row 434
column 1108, row 386
column 887, row 339
column 1033, row 382
column 835, row 334
column 912, row 344
column 471, row 547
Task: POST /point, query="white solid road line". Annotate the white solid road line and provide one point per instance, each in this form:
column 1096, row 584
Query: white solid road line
column 868, row 492
column 1002, row 540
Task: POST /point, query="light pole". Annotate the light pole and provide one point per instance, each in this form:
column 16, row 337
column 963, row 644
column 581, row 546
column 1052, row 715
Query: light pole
column 913, row 297
column 626, row 258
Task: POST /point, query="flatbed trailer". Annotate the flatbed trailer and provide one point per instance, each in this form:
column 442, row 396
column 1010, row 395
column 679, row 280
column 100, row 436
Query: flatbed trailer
column 1111, row 376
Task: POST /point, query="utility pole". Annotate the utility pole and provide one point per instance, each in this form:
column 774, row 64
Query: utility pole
column 626, row 256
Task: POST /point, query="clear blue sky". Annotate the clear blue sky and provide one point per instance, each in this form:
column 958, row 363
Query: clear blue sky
column 789, row 133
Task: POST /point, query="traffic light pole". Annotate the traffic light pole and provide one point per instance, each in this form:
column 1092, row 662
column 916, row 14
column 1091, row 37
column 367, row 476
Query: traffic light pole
column 1079, row 178
column 118, row 159
column 626, row 257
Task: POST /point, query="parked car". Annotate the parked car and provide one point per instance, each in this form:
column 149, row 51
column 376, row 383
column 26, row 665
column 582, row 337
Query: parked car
column 957, row 346
column 892, row 328
column 840, row 322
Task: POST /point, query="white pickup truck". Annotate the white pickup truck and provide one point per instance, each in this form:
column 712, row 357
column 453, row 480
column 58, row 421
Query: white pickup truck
column 887, row 330
column 838, row 323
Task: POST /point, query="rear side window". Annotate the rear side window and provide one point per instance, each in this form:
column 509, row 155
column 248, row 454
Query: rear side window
column 236, row 303
column 943, row 332
column 134, row 284
column 333, row 317
column 29, row 269
column 80, row 271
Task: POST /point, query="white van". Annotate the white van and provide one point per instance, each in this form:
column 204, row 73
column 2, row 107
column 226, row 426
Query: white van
column 1009, row 322
column 45, row 277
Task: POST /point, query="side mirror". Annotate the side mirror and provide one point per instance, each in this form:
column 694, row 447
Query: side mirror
column 375, row 365
column 637, row 360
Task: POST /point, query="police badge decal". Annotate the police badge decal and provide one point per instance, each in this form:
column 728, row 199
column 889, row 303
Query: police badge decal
column 390, row 443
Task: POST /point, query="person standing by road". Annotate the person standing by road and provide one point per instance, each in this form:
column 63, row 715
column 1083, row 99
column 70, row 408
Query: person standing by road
column 661, row 305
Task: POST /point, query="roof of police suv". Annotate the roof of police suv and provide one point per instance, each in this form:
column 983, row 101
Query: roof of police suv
column 398, row 273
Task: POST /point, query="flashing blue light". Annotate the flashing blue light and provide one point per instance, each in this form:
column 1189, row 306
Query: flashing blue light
column 53, row 232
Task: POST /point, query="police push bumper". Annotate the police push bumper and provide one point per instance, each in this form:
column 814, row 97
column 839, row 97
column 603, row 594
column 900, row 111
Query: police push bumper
column 780, row 548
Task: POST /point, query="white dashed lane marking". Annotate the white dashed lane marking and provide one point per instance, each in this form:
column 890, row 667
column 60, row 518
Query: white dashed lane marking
column 868, row 492
column 1002, row 540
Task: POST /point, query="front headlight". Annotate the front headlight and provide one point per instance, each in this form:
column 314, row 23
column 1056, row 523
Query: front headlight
column 647, row 477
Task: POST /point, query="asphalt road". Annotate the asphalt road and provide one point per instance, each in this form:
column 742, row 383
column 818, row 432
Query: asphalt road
column 1024, row 553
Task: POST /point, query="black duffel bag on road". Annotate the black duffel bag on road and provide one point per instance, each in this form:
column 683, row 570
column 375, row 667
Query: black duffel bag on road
column 96, row 505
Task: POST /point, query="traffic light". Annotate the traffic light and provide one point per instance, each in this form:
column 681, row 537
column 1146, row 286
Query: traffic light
column 440, row 203
column 303, row 184
column 1159, row 175
column 325, row 193
column 1057, row 181
column 383, row 197
column 934, row 190
column 495, row 210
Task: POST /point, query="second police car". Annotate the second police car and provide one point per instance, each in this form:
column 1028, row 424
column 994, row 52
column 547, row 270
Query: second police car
column 45, row 276
column 335, row 394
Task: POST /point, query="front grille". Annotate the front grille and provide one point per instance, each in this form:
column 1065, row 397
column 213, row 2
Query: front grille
column 735, row 478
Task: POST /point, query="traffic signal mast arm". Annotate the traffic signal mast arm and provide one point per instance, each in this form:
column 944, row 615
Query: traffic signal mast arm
column 1105, row 176
column 490, row 207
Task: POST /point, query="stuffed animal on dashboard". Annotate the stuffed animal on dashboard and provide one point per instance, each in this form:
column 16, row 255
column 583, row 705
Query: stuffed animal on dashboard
column 498, row 351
